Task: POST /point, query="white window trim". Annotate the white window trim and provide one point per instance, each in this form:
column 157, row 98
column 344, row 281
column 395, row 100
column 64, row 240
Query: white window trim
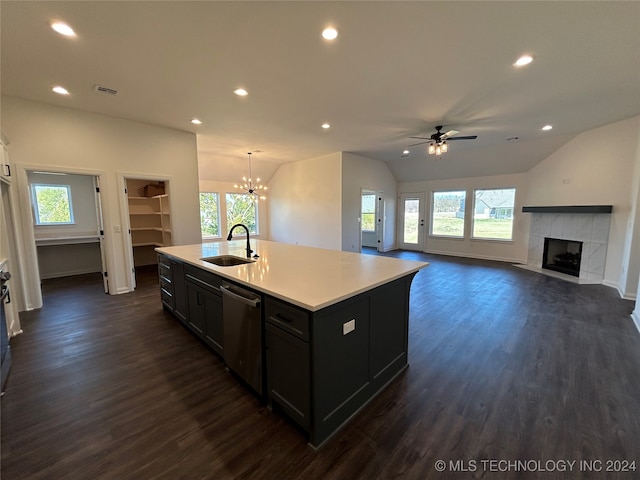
column 491, row 239
column 431, row 216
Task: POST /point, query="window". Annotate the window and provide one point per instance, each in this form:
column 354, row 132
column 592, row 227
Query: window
column 493, row 213
column 242, row 209
column 52, row 204
column 209, row 215
column 368, row 219
column 447, row 214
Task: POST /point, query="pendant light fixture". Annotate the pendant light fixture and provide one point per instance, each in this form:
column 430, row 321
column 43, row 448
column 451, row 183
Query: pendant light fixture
column 252, row 190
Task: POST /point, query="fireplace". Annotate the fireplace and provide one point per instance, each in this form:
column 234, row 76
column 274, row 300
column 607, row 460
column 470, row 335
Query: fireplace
column 562, row 256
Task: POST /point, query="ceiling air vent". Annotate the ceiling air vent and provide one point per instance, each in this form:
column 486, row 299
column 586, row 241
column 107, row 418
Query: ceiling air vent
column 102, row 89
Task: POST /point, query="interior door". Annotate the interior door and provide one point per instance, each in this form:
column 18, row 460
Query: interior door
column 411, row 231
column 105, row 280
column 380, row 220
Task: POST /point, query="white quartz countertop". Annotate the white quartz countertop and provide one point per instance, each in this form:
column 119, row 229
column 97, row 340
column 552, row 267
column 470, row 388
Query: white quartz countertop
column 312, row 278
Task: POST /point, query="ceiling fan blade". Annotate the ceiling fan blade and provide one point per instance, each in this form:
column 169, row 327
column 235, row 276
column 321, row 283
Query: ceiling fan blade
column 420, row 143
column 468, row 137
column 422, row 138
column 450, row 133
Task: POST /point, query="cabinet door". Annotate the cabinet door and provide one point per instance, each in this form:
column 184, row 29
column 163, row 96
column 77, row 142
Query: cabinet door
column 213, row 326
column 288, row 373
column 179, row 290
column 196, row 306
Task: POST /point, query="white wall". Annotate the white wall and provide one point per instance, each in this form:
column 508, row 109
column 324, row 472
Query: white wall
column 361, row 173
column 305, row 201
column 596, row 168
column 221, row 188
column 49, row 137
column 513, row 251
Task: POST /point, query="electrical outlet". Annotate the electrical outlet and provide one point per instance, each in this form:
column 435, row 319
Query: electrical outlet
column 349, row 327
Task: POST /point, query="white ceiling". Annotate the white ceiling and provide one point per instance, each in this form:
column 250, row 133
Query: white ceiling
column 397, row 70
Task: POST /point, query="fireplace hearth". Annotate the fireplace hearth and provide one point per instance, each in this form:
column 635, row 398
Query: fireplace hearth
column 562, row 256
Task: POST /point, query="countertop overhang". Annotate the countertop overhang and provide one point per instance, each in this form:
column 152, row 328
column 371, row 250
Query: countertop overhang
column 311, row 278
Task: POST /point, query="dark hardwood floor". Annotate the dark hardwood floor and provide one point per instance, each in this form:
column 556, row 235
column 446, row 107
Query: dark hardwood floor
column 505, row 365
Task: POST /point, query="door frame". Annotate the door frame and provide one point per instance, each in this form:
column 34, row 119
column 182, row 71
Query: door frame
column 30, row 271
column 379, row 218
column 130, row 272
column 419, row 246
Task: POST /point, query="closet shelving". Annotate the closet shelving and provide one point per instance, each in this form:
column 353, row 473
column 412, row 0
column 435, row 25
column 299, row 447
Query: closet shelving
column 150, row 221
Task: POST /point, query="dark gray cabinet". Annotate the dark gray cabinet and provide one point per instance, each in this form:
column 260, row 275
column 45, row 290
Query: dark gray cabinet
column 165, row 276
column 196, row 307
column 179, row 290
column 288, row 355
column 172, row 286
column 204, row 304
column 321, row 366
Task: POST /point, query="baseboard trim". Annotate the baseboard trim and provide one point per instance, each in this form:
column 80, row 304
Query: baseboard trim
column 479, row 257
column 68, row 273
column 616, row 285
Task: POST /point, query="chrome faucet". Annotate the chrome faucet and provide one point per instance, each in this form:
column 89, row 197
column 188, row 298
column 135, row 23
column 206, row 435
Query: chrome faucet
column 230, row 236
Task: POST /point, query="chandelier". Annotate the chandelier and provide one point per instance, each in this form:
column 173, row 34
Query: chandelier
column 252, row 190
column 438, row 148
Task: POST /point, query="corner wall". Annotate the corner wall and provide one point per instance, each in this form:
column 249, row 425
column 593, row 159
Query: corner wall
column 361, row 173
column 597, row 167
column 306, row 197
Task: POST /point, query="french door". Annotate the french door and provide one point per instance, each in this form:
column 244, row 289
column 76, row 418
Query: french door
column 411, row 231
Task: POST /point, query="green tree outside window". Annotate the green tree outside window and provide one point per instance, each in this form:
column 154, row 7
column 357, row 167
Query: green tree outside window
column 209, row 215
column 52, row 204
column 242, row 209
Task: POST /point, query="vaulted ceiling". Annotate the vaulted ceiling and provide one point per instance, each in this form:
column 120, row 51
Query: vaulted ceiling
column 396, row 70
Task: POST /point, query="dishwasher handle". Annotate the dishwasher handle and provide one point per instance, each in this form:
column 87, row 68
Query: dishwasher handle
column 248, row 298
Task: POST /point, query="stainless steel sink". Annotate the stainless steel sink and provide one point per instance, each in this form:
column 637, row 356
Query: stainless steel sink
column 227, row 260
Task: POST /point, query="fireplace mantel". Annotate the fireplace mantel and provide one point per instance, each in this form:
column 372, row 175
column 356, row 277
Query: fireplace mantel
column 569, row 209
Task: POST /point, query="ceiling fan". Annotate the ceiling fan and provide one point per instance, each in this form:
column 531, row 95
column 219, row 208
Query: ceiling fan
column 438, row 141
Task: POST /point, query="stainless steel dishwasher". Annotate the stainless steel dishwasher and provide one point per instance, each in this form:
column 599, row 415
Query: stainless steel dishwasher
column 241, row 313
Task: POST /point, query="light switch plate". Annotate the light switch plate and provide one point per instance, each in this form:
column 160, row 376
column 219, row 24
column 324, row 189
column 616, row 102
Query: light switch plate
column 349, row 327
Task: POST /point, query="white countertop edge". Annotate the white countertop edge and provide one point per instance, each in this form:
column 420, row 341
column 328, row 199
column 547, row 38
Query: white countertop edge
column 220, row 271
column 231, row 273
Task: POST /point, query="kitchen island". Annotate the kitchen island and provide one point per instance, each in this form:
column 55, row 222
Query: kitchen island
column 335, row 324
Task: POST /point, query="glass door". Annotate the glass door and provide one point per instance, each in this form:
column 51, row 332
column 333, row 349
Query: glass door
column 411, row 231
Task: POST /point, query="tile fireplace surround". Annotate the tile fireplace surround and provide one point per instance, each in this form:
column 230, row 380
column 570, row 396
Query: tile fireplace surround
column 590, row 228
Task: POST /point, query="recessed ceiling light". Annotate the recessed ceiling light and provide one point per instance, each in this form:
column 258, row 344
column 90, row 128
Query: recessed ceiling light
column 406, row 152
column 547, row 127
column 523, row 60
column 241, row 92
column 329, row 33
column 195, row 121
column 63, row 29
column 326, row 126
column 60, row 90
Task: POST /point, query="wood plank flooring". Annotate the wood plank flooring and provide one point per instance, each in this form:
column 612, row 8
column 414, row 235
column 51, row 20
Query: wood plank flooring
column 505, row 364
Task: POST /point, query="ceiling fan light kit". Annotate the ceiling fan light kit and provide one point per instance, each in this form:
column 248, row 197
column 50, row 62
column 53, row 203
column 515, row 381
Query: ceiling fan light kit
column 438, row 141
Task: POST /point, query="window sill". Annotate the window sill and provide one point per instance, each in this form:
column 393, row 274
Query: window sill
column 492, row 240
column 445, row 237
